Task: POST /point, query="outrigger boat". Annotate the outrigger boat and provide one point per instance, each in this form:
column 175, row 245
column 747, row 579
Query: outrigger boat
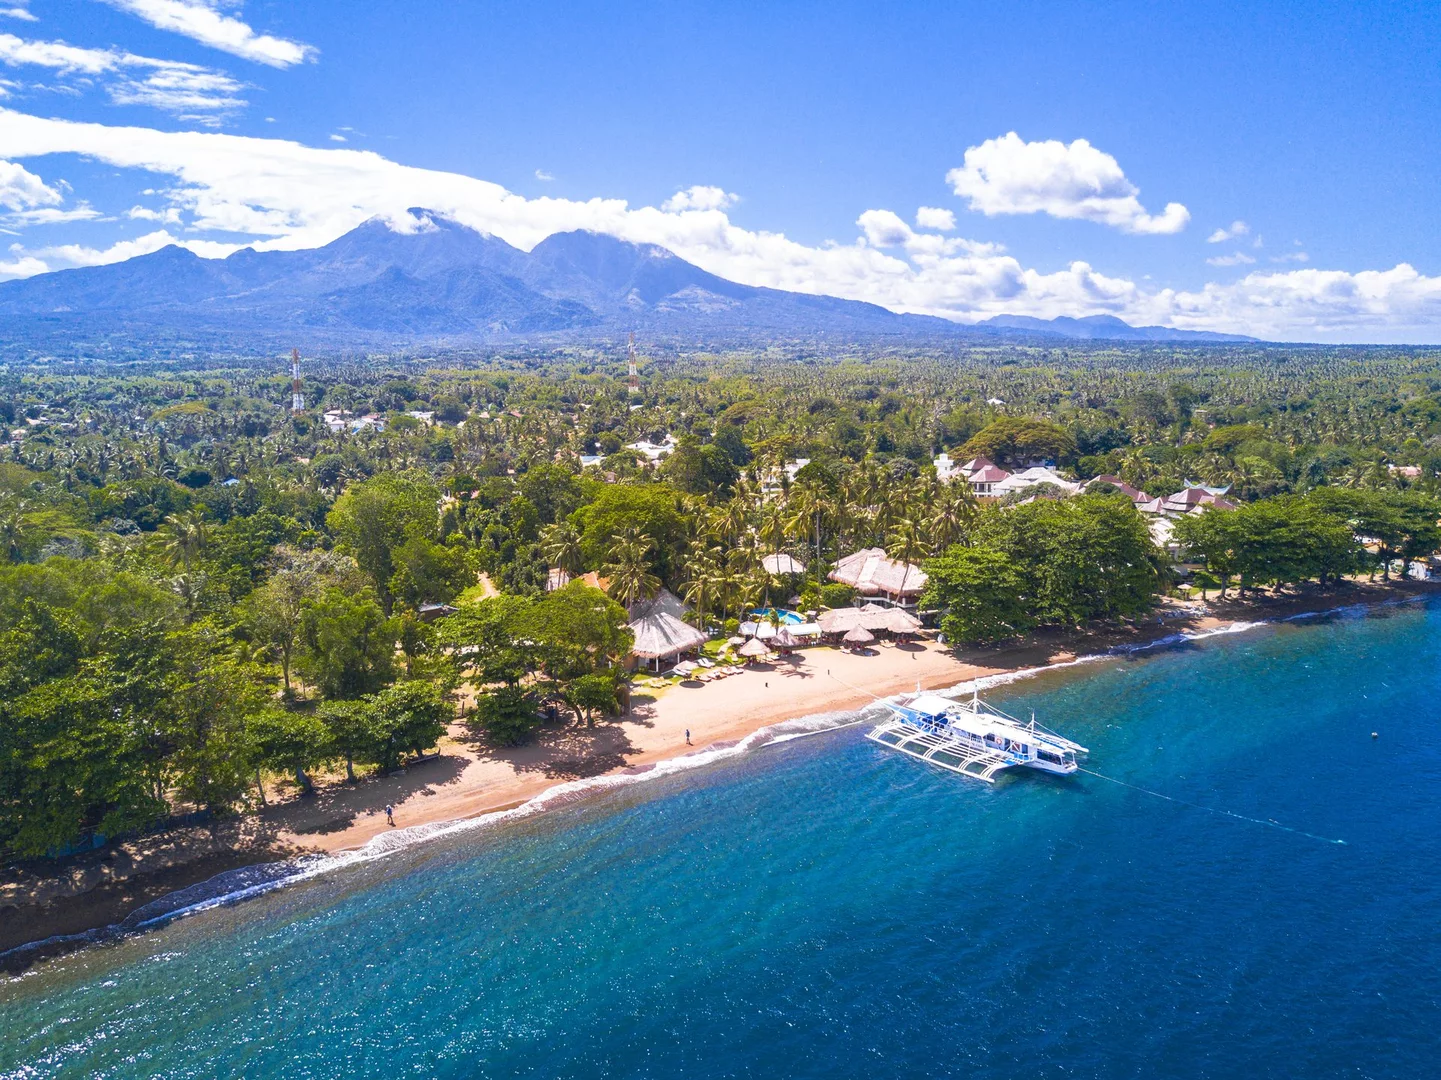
column 971, row 737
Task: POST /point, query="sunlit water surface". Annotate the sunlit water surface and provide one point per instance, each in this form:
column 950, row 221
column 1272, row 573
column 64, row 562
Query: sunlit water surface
column 823, row 907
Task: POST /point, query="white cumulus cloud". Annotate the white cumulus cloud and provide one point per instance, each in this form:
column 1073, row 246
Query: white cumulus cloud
column 1231, row 232
column 933, row 217
column 699, row 197
column 23, row 14
column 283, row 194
column 202, row 21
column 885, row 228
column 1065, row 180
column 21, row 189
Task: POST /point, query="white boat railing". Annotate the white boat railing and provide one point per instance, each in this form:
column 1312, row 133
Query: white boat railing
column 946, row 751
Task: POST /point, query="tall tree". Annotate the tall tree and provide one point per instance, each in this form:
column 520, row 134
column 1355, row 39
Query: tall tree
column 376, row 516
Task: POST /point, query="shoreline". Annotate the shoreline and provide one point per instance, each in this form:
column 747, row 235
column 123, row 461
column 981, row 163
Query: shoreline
column 465, row 781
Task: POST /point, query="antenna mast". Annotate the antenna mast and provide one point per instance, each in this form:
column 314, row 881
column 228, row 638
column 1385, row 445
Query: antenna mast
column 297, row 399
column 632, row 370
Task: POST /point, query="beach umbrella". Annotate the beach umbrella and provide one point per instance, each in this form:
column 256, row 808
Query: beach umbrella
column 858, row 636
column 737, row 640
column 784, row 639
column 754, row 649
column 901, row 622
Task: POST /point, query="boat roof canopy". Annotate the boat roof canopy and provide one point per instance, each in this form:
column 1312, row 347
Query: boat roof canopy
column 930, row 704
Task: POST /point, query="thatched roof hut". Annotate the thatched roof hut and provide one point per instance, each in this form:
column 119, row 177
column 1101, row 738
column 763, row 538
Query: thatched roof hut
column 754, row 649
column 872, row 572
column 780, row 565
column 660, row 628
column 858, row 636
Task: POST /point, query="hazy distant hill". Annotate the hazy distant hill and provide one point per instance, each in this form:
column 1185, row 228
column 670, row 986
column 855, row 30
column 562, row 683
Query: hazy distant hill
column 1105, row 328
column 445, row 283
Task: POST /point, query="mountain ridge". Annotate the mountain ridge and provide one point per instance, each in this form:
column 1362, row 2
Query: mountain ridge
column 443, row 282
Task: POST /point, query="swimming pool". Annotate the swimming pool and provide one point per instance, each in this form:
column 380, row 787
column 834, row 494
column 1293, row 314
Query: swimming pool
column 791, row 617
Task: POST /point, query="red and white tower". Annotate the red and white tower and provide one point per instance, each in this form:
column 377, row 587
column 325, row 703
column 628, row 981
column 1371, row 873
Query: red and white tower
column 633, row 372
column 297, row 399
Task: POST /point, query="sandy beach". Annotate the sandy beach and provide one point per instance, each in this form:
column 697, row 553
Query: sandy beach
column 467, row 778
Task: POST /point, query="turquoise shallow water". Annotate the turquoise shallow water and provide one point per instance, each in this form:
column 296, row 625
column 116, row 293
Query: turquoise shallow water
column 826, row 908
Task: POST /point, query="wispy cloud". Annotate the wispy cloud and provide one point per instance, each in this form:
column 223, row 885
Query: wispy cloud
column 1293, row 257
column 170, row 215
column 82, row 255
column 53, row 215
column 190, row 90
column 201, row 20
column 1238, row 258
column 1065, row 180
column 541, row 174
column 23, row 14
column 1233, row 231
column 56, row 55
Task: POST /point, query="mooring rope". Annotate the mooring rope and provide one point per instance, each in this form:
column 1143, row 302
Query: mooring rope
column 1211, row 809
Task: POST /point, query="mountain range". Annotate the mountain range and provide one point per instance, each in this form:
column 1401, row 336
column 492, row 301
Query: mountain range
column 444, row 283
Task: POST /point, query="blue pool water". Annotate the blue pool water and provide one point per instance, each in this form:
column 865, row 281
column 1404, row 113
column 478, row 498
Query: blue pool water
column 792, row 617
column 824, row 908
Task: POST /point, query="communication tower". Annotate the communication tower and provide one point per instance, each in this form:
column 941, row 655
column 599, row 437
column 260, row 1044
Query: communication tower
column 297, row 399
column 632, row 372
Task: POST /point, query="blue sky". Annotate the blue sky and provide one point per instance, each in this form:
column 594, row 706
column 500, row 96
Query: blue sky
column 807, row 135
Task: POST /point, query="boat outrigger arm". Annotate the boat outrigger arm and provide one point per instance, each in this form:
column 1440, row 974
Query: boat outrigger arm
column 971, row 737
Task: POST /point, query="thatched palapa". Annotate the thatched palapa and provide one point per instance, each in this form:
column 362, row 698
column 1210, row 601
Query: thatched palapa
column 872, row 572
column 660, row 628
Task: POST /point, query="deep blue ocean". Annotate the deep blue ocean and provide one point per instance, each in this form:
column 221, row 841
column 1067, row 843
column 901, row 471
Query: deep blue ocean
column 822, row 907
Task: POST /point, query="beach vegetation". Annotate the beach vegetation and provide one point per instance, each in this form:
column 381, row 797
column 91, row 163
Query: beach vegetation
column 202, row 594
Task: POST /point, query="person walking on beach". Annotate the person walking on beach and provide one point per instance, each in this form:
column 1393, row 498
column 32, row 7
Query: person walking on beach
column 389, row 814
column 687, row 737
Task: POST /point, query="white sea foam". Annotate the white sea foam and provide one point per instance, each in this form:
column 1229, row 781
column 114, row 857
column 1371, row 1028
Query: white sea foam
column 391, row 842
column 566, row 793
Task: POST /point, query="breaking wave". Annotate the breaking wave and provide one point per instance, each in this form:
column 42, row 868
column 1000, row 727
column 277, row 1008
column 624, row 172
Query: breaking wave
column 236, row 886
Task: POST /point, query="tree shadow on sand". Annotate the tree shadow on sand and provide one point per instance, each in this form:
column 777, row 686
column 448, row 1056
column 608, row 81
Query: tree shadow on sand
column 569, row 753
column 334, row 807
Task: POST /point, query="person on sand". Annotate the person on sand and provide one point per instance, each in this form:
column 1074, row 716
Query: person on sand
column 389, row 814
column 687, row 737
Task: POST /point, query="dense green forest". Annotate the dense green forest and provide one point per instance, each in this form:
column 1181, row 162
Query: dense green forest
column 201, row 590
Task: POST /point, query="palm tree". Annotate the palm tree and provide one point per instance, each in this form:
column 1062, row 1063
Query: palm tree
column 701, row 591
column 629, row 570
column 14, row 529
column 952, row 516
column 809, row 506
column 184, row 538
column 560, row 544
column 908, row 543
column 772, row 527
